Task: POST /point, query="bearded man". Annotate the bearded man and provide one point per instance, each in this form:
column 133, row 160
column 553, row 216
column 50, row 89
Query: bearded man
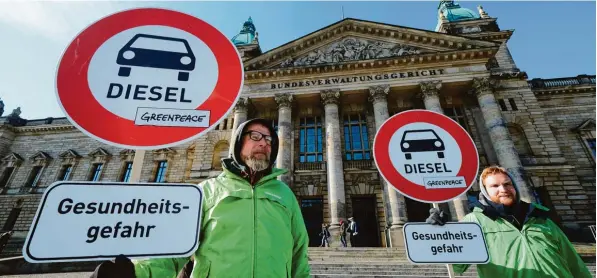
column 252, row 224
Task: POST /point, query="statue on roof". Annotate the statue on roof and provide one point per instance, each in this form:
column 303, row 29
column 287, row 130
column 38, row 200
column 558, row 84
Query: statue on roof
column 16, row 113
column 247, row 35
column 447, row 3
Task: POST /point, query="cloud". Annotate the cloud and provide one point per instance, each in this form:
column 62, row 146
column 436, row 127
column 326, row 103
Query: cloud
column 57, row 21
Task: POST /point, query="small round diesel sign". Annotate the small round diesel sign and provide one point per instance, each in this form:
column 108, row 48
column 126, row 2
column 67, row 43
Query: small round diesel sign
column 148, row 78
column 426, row 156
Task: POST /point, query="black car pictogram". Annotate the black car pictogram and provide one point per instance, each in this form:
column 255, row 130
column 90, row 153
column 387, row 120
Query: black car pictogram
column 151, row 51
column 423, row 140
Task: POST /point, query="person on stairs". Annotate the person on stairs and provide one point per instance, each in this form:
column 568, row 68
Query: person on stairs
column 325, row 235
column 521, row 239
column 353, row 230
column 343, row 231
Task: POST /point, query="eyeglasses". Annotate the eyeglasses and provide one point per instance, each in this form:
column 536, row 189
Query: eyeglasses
column 257, row 136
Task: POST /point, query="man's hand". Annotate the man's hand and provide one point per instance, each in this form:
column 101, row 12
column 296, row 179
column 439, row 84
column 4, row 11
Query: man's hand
column 121, row 267
column 437, row 217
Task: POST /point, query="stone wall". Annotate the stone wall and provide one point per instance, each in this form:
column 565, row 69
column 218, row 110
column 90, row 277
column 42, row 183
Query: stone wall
column 572, row 190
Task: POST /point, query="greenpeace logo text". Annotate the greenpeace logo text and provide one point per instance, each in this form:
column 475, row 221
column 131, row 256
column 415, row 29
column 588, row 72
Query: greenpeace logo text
column 172, row 117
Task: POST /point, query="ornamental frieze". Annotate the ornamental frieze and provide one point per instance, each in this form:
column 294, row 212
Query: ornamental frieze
column 351, row 49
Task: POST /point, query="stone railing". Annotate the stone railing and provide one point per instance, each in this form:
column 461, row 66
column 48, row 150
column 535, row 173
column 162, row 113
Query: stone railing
column 310, row 166
column 538, row 83
column 358, row 164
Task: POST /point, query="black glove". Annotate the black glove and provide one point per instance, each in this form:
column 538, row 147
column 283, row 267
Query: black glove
column 437, row 217
column 121, row 267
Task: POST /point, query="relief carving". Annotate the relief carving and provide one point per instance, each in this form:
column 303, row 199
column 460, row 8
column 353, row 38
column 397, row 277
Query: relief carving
column 351, row 49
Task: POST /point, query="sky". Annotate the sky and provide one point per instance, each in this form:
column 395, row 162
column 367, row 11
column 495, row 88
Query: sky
column 551, row 39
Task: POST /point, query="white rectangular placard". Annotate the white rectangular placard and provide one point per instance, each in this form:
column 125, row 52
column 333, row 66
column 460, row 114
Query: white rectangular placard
column 172, row 117
column 461, row 242
column 86, row 221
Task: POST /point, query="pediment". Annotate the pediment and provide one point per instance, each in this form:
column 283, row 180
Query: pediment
column 164, row 151
column 355, row 40
column 99, row 152
column 40, row 156
column 12, row 157
column 587, row 125
column 12, row 160
column 69, row 154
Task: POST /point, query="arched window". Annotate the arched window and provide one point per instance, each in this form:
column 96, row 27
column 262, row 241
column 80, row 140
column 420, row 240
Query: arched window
column 220, row 151
column 520, row 140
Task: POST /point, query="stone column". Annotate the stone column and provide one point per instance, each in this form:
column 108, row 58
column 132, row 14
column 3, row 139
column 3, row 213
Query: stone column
column 284, row 134
column 430, row 94
column 394, row 204
column 240, row 116
column 335, row 171
column 500, row 137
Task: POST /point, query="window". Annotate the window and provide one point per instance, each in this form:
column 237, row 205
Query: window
column 6, row 176
column 519, row 139
column 225, row 124
column 457, row 114
column 160, row 174
column 513, row 104
column 590, row 143
column 96, row 172
column 310, row 149
column 356, row 137
column 65, row 172
column 128, row 169
column 502, row 104
column 221, row 151
column 34, row 176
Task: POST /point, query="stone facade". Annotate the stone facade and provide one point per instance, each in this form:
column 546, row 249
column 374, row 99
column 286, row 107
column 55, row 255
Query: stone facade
column 542, row 130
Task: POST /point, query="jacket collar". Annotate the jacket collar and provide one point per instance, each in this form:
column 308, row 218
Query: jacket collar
column 535, row 210
column 240, row 172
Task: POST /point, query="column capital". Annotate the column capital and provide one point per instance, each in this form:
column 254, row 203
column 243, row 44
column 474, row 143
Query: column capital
column 242, row 104
column 283, row 100
column 330, row 96
column 378, row 93
column 483, row 85
column 430, row 88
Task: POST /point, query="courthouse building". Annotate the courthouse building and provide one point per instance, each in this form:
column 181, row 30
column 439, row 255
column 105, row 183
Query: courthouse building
column 327, row 93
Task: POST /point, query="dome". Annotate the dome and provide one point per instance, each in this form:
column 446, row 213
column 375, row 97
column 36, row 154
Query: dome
column 246, row 35
column 453, row 12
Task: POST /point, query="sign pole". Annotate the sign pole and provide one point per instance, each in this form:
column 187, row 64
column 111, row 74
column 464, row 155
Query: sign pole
column 137, row 164
column 450, row 270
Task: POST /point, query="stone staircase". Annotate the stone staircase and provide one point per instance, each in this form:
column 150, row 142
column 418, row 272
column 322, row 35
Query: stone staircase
column 325, row 263
column 388, row 262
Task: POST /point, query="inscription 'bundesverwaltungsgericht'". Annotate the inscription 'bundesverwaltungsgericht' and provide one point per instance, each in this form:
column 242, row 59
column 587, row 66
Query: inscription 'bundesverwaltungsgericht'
column 361, row 78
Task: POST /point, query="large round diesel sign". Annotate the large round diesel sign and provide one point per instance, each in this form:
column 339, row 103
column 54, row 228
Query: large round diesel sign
column 148, row 78
column 426, row 156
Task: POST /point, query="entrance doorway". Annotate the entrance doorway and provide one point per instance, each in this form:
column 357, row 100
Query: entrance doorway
column 312, row 210
column 416, row 211
column 364, row 211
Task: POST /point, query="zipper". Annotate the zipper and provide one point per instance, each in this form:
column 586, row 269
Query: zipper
column 254, row 227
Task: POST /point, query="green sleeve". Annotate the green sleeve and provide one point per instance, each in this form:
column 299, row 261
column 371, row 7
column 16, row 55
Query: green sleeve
column 167, row 268
column 461, row 268
column 300, row 261
column 577, row 267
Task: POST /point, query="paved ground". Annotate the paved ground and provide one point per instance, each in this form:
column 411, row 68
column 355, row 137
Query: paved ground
column 54, row 275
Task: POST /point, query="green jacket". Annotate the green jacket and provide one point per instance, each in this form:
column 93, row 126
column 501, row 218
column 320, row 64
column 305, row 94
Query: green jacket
column 246, row 231
column 539, row 249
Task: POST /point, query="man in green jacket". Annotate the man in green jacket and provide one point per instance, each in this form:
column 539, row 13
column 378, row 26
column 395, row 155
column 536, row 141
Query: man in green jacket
column 252, row 224
column 521, row 239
